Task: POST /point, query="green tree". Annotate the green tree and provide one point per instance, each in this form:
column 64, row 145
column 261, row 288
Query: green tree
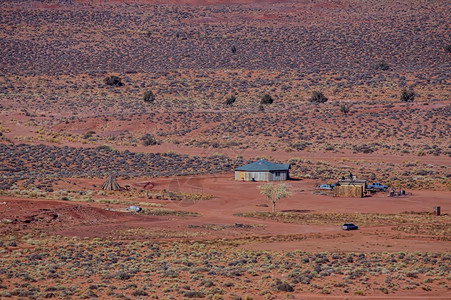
column 317, row 97
column 274, row 192
column 113, row 81
column 407, row 96
column 267, row 99
column 230, row 100
column 382, row 65
column 149, row 96
column 345, row 108
column 149, row 140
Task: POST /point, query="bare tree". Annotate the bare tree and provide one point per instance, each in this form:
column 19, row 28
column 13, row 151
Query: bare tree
column 274, row 192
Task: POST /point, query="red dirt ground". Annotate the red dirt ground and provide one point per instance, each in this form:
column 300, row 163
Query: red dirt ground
column 92, row 220
column 230, row 197
column 45, row 108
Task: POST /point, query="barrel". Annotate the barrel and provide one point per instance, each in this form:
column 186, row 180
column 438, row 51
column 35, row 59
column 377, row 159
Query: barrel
column 437, row 210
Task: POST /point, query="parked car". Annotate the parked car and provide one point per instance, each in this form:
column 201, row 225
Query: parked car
column 134, row 208
column 376, row 186
column 327, row 186
column 349, row 226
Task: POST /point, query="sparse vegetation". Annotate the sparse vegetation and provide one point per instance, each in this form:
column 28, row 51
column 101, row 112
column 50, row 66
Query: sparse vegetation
column 149, row 140
column 317, row 97
column 407, row 96
column 149, row 97
column 168, row 212
column 345, row 108
column 382, row 65
column 113, row 81
column 66, row 123
column 266, row 99
column 140, row 269
column 230, row 100
column 88, row 134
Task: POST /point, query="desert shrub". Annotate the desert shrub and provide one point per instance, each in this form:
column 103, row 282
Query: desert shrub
column 122, row 276
column 193, row 294
column 233, row 49
column 89, row 295
column 19, row 292
column 49, row 295
column 317, row 97
column 421, row 172
column 300, row 145
column 266, row 99
column 207, row 283
column 407, row 96
column 283, row 287
column 168, row 212
column 105, row 148
column 149, row 140
column 88, row 134
column 113, row 81
column 381, row 65
column 230, row 100
column 140, row 293
column 413, row 274
column 363, row 148
column 345, row 108
column 359, row 293
column 447, row 48
column 149, row 96
column 383, row 290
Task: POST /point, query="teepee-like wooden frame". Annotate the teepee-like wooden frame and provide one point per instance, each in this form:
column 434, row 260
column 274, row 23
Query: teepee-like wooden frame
column 111, row 184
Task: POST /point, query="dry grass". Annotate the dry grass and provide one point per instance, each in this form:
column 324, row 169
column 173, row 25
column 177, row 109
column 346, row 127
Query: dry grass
column 168, row 212
column 367, row 219
column 70, row 267
column 415, row 223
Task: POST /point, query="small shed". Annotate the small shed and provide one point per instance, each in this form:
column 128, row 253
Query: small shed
column 262, row 170
column 350, row 188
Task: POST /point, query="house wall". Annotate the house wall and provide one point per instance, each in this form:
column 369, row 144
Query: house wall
column 239, row 175
column 260, row 176
column 283, row 175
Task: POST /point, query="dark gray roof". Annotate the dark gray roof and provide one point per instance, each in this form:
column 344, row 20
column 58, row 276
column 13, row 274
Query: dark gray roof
column 263, row 165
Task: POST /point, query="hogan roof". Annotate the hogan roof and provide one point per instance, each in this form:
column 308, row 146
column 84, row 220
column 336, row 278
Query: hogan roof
column 263, row 165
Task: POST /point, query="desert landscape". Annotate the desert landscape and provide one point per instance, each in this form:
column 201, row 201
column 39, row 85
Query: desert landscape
column 122, row 122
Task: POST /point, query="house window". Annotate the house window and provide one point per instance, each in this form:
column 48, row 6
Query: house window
column 277, row 174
